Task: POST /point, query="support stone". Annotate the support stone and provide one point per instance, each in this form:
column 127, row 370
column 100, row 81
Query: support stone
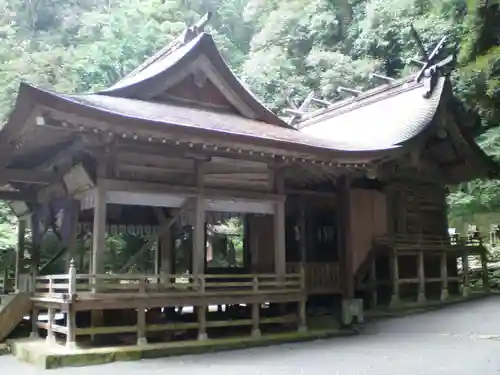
column 421, row 299
column 394, row 281
column 465, row 274
column 21, row 236
column 444, row 276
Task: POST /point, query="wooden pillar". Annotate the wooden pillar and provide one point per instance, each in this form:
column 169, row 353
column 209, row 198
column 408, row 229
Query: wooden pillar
column 141, row 316
column 201, row 312
column 421, row 298
column 98, row 247
column 71, row 314
column 165, row 257
column 279, row 241
column 484, row 266
column 444, row 276
column 21, row 236
column 465, row 273
column 99, row 229
column 344, row 236
column 50, row 323
column 73, row 239
column 279, row 228
column 256, row 311
column 394, row 279
column 373, row 283
column 34, row 323
column 302, row 229
column 199, row 243
column 303, row 302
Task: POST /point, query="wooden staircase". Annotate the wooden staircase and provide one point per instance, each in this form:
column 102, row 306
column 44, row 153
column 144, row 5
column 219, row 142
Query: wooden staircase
column 13, row 307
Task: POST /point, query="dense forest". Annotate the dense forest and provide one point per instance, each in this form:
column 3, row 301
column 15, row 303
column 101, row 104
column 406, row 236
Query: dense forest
column 281, row 49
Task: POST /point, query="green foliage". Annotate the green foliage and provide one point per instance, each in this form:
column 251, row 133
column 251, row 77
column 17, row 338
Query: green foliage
column 281, row 49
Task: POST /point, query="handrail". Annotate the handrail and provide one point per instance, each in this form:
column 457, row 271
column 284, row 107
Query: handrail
column 67, row 286
column 418, row 239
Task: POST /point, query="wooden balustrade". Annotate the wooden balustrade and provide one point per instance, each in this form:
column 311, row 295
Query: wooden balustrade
column 249, row 289
column 319, row 277
column 58, row 286
column 427, row 242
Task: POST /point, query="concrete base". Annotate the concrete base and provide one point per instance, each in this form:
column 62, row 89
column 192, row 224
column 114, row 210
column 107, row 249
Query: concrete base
column 38, row 353
column 4, row 349
column 444, row 295
column 421, row 299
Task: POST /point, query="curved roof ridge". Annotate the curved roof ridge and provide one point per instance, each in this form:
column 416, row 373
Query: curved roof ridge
column 169, row 66
column 396, row 87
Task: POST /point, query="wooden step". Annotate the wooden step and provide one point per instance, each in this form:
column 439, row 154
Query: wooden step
column 13, row 308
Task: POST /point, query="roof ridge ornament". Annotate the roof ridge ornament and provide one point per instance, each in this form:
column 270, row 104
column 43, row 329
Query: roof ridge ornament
column 431, row 64
column 187, row 35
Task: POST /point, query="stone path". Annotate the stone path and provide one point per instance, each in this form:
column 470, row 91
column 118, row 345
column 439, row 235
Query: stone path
column 461, row 339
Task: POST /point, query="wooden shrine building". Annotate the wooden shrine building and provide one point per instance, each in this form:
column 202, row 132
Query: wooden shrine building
column 343, row 200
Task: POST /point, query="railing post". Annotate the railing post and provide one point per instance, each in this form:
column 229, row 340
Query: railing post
column 71, row 314
column 373, row 283
column 141, row 315
column 202, row 311
column 465, row 274
column 444, row 276
column 255, row 310
column 395, row 280
column 72, row 279
column 303, row 301
column 50, row 322
column 421, row 298
column 50, row 286
column 484, row 266
column 34, row 323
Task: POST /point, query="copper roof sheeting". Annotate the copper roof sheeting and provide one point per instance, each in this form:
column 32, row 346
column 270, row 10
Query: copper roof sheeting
column 377, row 120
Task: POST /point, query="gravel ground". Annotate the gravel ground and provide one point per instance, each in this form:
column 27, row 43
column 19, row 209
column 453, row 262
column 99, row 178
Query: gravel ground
column 461, row 339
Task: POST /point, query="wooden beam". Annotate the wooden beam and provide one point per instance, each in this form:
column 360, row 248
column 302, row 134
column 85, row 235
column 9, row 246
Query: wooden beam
column 164, row 228
column 28, row 176
column 18, row 196
column 187, row 191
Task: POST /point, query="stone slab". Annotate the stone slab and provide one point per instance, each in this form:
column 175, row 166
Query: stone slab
column 50, row 356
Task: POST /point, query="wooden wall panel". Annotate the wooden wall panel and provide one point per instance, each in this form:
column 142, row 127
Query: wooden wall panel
column 368, row 220
column 261, row 242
